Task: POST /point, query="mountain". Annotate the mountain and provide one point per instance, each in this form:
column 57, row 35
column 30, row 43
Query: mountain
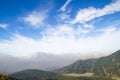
column 33, row 74
column 104, row 66
column 109, row 65
column 80, row 66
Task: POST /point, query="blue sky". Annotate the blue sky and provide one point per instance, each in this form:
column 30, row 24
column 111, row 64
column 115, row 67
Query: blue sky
column 59, row 26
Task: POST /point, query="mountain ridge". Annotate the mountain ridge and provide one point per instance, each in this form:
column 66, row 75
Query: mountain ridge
column 103, row 66
column 33, row 74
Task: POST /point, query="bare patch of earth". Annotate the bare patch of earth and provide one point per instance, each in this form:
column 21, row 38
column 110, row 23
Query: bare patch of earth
column 77, row 75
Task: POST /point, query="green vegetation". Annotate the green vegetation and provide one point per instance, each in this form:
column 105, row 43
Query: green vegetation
column 86, row 78
column 33, row 74
column 5, row 77
column 81, row 66
column 80, row 78
column 104, row 66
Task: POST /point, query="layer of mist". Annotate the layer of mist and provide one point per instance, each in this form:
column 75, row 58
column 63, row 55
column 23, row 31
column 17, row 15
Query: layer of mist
column 42, row 61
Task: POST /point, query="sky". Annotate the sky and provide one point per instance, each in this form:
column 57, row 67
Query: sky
column 59, row 27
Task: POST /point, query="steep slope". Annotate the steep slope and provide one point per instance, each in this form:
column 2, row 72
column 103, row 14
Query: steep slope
column 80, row 66
column 108, row 66
column 104, row 66
column 33, row 74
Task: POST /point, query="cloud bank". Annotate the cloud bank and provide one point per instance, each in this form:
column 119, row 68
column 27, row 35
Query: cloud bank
column 61, row 41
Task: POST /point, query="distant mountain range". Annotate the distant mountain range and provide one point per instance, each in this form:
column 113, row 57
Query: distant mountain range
column 104, row 66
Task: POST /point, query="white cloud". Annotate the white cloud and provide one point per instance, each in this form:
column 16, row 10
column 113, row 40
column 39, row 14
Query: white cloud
column 24, row 46
column 36, row 19
column 59, row 30
column 90, row 13
column 64, row 17
column 4, row 26
column 82, row 31
column 107, row 30
column 65, row 30
column 88, row 26
column 63, row 8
